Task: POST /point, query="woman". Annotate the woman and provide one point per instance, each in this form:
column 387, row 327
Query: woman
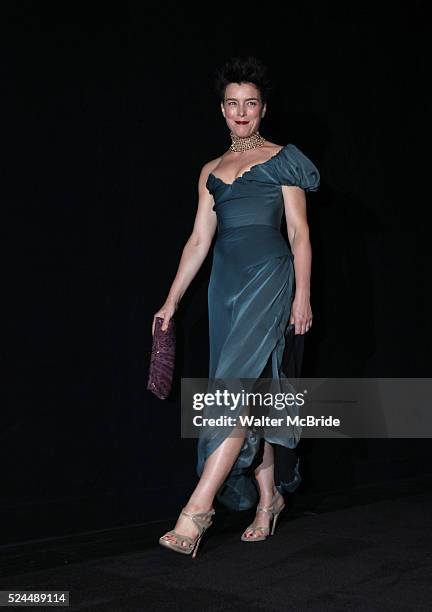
column 243, row 193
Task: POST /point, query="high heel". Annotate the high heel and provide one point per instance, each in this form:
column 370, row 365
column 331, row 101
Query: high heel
column 202, row 520
column 275, row 508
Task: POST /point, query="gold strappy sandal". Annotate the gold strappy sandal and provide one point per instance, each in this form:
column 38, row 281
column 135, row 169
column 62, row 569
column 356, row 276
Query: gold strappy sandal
column 276, row 507
column 185, row 544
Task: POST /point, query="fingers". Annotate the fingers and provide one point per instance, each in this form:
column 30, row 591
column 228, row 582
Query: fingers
column 157, row 316
column 301, row 327
column 166, row 319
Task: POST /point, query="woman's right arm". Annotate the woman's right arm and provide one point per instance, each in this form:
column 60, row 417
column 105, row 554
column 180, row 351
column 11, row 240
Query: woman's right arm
column 194, row 251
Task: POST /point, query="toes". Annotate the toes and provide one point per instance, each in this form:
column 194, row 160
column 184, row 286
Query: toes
column 169, row 538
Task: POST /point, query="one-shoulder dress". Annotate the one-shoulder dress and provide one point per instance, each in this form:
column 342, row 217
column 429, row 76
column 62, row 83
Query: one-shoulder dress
column 250, row 294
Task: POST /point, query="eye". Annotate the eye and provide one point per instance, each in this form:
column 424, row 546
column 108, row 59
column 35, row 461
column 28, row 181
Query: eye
column 252, row 103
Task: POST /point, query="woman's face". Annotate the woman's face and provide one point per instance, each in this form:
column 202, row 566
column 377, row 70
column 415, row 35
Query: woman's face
column 243, row 108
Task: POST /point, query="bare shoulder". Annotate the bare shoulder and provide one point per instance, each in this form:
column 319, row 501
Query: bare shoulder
column 210, row 166
column 206, row 170
column 274, row 147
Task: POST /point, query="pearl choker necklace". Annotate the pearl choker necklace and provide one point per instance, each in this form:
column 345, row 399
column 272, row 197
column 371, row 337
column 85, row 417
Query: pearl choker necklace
column 249, row 142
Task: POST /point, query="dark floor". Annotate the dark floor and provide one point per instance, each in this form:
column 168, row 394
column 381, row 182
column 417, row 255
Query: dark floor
column 368, row 550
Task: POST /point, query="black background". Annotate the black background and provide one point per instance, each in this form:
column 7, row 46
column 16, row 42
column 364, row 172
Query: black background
column 108, row 115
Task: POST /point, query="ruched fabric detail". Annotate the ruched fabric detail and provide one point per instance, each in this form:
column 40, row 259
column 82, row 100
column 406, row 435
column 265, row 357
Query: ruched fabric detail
column 293, row 168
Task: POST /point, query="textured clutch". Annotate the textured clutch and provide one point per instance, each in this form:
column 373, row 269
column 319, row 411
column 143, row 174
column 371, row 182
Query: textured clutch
column 162, row 359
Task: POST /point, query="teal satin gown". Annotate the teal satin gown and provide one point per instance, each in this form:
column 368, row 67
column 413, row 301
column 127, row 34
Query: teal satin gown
column 249, row 301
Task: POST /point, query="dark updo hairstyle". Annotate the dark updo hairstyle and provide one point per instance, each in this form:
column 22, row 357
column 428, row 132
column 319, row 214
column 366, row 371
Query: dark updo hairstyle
column 243, row 70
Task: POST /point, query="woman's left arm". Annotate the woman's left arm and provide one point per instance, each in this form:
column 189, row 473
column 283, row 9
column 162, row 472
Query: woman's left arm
column 298, row 236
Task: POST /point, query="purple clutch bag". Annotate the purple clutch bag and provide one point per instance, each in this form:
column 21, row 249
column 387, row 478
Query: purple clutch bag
column 162, row 359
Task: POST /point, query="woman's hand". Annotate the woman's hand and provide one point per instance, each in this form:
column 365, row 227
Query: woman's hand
column 301, row 313
column 166, row 312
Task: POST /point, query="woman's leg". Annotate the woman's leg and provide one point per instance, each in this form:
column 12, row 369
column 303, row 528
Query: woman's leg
column 216, row 469
column 264, row 475
column 264, row 472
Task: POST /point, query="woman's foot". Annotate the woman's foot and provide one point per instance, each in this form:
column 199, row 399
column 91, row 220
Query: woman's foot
column 185, row 526
column 261, row 525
